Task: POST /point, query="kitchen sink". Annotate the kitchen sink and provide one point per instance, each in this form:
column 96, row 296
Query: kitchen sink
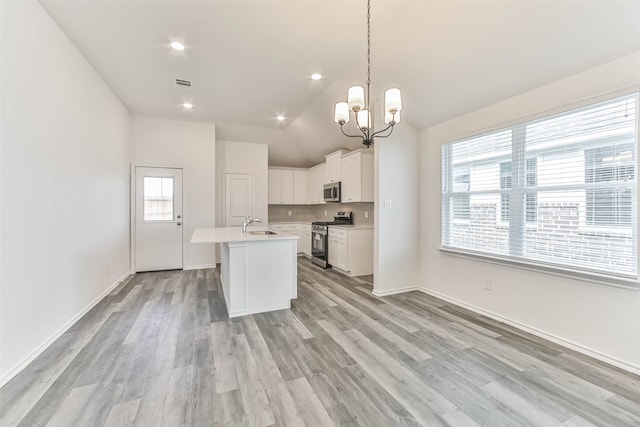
column 262, row 233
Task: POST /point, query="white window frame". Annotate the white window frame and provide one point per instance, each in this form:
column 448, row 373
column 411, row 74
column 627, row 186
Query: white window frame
column 517, row 215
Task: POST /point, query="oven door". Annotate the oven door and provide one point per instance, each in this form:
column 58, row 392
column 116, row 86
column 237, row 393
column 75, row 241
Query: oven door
column 319, row 243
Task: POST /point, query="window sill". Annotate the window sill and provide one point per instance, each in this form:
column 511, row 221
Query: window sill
column 624, row 282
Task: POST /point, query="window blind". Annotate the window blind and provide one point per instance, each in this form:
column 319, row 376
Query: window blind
column 558, row 191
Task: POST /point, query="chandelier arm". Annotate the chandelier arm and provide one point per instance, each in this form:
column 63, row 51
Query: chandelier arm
column 385, row 136
column 346, row 134
column 383, row 130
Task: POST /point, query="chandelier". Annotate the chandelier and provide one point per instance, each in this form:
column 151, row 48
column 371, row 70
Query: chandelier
column 360, row 106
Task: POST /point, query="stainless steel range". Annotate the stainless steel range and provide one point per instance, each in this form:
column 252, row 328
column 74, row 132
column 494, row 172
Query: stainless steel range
column 320, row 237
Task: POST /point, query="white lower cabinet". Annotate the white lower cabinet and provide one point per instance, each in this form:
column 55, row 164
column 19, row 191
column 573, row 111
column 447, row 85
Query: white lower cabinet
column 305, row 240
column 351, row 250
column 338, row 249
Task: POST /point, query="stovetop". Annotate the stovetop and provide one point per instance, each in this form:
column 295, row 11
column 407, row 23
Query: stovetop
column 323, row 223
column 342, row 218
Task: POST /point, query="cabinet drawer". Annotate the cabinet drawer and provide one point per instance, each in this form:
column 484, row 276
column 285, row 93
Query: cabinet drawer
column 337, row 233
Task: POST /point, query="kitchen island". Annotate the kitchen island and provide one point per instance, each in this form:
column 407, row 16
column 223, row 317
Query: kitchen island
column 258, row 271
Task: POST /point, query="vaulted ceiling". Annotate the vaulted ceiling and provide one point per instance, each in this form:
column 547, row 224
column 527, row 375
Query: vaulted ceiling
column 251, row 60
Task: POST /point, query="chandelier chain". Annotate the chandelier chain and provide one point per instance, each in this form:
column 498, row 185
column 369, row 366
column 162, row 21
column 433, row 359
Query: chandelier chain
column 368, row 52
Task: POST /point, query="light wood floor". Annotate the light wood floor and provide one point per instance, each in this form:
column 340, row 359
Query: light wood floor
column 160, row 351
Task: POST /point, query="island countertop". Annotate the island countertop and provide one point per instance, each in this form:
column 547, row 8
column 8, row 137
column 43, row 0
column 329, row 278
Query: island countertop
column 234, row 234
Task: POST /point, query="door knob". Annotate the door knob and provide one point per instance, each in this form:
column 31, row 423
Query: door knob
column 179, row 217
column 179, row 223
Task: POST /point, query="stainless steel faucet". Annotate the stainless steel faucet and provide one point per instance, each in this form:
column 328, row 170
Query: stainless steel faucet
column 246, row 220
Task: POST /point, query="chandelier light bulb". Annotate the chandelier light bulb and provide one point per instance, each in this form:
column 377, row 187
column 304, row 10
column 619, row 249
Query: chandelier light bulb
column 342, row 113
column 355, row 98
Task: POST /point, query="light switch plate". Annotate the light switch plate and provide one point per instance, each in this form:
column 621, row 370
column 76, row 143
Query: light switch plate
column 387, row 203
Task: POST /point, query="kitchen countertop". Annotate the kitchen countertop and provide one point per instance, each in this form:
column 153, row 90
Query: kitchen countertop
column 234, row 234
column 289, row 222
column 352, row 227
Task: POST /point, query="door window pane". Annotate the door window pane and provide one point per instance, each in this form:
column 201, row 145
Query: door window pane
column 158, row 198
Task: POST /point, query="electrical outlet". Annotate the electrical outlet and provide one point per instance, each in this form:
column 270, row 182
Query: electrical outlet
column 488, row 284
column 289, row 213
column 366, row 214
column 325, row 213
column 388, row 203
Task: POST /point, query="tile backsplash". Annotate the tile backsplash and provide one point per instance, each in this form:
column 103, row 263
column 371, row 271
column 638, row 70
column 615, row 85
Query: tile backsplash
column 301, row 213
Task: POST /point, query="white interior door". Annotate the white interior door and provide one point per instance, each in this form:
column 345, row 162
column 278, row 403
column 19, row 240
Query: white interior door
column 158, row 218
column 238, row 198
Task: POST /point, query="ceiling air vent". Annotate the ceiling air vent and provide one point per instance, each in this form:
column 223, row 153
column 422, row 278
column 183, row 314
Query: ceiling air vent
column 183, row 82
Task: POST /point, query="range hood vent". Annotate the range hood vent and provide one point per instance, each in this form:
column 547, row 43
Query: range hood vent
column 183, row 82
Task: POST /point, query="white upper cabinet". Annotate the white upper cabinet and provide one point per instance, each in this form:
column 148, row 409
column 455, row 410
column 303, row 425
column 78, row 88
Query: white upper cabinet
column 357, row 176
column 280, row 186
column 334, row 169
column 316, row 181
column 300, row 186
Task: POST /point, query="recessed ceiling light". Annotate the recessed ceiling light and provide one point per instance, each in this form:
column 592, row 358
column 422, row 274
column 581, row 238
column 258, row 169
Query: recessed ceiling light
column 177, row 45
column 316, row 76
column 187, row 105
column 280, row 118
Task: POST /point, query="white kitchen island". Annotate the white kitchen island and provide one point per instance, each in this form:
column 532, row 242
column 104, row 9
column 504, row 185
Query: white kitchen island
column 259, row 273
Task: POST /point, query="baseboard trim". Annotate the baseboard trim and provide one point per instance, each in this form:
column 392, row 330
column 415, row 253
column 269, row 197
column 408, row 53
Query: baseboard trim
column 199, row 267
column 35, row 353
column 538, row 332
column 395, row 291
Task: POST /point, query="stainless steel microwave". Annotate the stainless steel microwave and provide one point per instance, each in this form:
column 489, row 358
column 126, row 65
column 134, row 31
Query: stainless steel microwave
column 332, row 192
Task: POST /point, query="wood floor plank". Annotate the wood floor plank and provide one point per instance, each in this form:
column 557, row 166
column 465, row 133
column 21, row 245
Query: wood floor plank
column 223, row 358
column 123, row 414
column 308, row 404
column 71, row 409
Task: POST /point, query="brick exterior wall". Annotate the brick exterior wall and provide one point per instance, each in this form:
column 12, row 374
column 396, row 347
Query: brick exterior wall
column 556, row 233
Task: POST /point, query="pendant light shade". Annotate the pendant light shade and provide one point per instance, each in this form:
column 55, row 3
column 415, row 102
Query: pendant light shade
column 355, row 98
column 342, row 113
column 364, row 119
column 392, row 100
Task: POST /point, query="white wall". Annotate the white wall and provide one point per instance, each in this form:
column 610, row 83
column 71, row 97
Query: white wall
column 64, row 173
column 595, row 318
column 190, row 146
column 396, row 235
column 243, row 157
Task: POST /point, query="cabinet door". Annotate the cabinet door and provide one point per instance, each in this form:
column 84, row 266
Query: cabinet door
column 306, row 242
column 286, row 187
column 341, row 258
column 274, row 186
column 333, row 167
column 321, row 180
column 333, row 251
column 300, row 187
column 348, row 185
